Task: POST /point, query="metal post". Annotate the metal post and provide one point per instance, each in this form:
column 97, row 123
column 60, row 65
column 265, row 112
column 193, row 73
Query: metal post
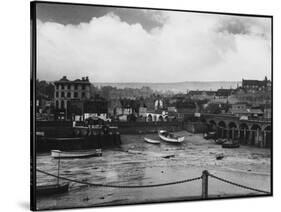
column 205, row 174
column 58, row 178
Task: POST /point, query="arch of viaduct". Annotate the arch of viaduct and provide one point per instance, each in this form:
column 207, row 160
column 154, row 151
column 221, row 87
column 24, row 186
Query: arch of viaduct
column 251, row 132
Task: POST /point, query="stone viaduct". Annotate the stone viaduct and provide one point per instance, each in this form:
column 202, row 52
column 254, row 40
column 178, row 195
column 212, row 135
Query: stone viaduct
column 256, row 132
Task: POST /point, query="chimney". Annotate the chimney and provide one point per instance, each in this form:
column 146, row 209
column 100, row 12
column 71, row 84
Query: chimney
column 87, row 78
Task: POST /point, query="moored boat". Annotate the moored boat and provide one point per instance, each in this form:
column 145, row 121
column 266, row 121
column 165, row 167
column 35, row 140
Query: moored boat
column 210, row 135
column 151, row 141
column 57, row 154
column 230, row 145
column 51, row 189
column 170, row 137
column 64, row 139
column 220, row 141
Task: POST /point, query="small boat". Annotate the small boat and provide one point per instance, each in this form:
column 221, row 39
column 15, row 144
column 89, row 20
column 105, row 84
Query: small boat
column 65, row 139
column 219, row 156
column 230, row 145
column 220, row 141
column 170, row 137
column 57, row 154
column 151, row 141
column 51, row 189
column 210, row 135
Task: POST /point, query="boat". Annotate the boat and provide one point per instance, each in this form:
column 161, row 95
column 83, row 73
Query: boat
column 64, row 139
column 51, row 189
column 57, row 154
column 151, row 141
column 220, row 141
column 170, row 137
column 219, row 156
column 230, row 145
column 210, row 135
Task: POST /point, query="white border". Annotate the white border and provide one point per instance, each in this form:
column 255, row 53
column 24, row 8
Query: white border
column 15, row 75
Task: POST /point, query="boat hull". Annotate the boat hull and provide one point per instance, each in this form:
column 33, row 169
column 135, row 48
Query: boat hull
column 47, row 190
column 151, row 141
column 56, row 154
column 220, row 141
column 230, row 145
column 176, row 140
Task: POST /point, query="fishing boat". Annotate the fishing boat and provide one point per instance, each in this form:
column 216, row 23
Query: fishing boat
column 57, row 154
column 151, row 141
column 51, row 189
column 230, row 145
column 170, row 137
column 220, row 141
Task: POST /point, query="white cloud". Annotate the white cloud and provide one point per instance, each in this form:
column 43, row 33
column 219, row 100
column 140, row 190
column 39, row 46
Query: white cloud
column 188, row 47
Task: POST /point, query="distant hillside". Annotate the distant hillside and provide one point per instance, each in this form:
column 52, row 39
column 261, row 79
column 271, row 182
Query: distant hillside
column 175, row 87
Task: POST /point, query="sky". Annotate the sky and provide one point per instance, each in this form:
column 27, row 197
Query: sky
column 110, row 44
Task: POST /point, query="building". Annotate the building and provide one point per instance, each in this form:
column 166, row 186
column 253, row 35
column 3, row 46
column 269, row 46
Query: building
column 201, row 94
column 224, row 93
column 256, row 85
column 80, row 109
column 142, row 111
column 242, row 109
column 66, row 90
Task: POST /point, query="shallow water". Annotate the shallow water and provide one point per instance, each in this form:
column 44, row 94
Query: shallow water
column 140, row 163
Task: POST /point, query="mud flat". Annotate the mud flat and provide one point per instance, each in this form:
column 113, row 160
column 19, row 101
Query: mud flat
column 139, row 163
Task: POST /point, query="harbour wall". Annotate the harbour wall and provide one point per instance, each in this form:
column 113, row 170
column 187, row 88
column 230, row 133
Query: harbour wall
column 147, row 127
column 45, row 144
column 60, row 134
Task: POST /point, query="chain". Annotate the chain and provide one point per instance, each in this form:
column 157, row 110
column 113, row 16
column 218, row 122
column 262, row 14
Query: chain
column 153, row 185
column 238, row 185
column 120, row 186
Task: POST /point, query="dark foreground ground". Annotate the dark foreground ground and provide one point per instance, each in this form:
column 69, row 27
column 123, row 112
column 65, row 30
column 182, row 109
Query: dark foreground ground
column 140, row 163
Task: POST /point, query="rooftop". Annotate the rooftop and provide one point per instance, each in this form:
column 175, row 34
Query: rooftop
column 64, row 80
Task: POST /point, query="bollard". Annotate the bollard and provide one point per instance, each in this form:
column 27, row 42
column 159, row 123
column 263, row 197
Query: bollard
column 205, row 174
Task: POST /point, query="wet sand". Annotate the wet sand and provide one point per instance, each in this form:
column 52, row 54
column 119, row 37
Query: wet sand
column 140, row 163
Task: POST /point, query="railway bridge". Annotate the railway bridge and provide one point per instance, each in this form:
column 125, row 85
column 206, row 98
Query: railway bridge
column 256, row 132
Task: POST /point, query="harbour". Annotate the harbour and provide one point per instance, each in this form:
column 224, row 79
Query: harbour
column 136, row 162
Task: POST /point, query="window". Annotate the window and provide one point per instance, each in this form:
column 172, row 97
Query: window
column 62, row 86
column 68, row 86
column 83, row 95
column 68, row 94
column 75, row 94
column 76, row 87
column 83, row 87
column 62, row 94
column 62, row 104
column 57, row 104
column 57, row 94
column 57, row 86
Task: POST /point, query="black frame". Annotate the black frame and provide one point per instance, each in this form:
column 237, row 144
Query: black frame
column 33, row 67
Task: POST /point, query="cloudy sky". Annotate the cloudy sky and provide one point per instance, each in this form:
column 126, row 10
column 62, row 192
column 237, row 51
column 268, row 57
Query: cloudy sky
column 132, row 45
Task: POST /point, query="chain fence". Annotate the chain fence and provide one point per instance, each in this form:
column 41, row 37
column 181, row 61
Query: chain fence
column 237, row 184
column 156, row 185
column 121, row 186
